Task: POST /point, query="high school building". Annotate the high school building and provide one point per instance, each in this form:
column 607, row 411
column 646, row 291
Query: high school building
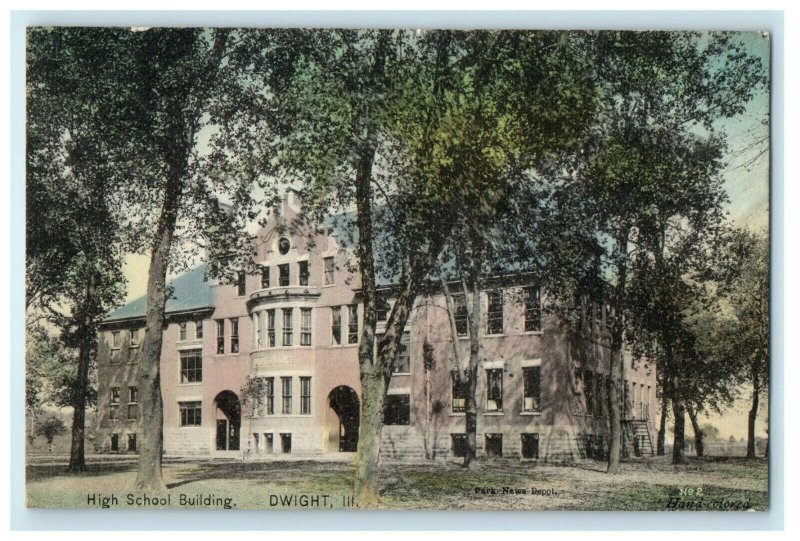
column 268, row 366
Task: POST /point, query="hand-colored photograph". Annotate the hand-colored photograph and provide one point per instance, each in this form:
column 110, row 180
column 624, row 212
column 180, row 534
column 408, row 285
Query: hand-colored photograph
column 286, row 268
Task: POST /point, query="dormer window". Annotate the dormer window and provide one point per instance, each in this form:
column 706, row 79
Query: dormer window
column 283, row 246
column 283, row 275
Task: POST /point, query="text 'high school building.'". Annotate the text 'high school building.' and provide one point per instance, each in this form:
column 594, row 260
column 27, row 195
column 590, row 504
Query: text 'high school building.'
column 294, row 329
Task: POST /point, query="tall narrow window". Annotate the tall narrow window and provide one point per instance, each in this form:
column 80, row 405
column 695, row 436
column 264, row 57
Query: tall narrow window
column 198, row 329
column 532, row 389
column 336, row 325
column 283, row 275
column 116, row 339
column 191, row 366
column 530, row 445
column 287, row 326
column 305, row 326
column 402, row 362
column 132, row 442
column 240, row 284
column 234, row 335
column 329, row 270
column 271, row 327
column 494, row 312
column 112, row 414
column 259, row 322
column 133, row 402
column 305, row 395
column 133, row 339
column 460, row 307
column 302, row 273
column 286, row 395
column 494, row 389
column 269, row 395
column 381, row 307
column 264, row 277
column 459, row 394
column 220, row 336
column 533, row 310
column 352, row 324
column 182, row 331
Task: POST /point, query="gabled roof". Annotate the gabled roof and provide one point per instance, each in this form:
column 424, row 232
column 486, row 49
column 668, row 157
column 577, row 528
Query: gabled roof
column 191, row 291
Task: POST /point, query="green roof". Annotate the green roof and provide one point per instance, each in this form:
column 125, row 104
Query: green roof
column 191, row 291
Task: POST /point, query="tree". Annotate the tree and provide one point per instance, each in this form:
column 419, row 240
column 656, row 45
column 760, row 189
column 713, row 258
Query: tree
column 50, row 428
column 74, row 243
column 661, row 90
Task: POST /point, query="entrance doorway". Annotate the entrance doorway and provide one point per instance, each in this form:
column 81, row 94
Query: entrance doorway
column 229, row 421
column 343, row 401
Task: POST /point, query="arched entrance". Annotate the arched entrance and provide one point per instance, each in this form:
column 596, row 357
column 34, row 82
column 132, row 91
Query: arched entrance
column 344, row 402
column 229, row 421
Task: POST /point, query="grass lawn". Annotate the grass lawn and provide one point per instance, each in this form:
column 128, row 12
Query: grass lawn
column 646, row 485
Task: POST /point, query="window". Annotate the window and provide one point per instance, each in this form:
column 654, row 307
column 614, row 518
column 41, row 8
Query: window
column 494, row 389
column 329, row 270
column 264, row 277
column 530, row 445
column 305, row 326
column 259, row 323
column 588, row 391
column 402, row 362
column 283, row 275
column 286, row 395
column 268, row 442
column 397, row 409
column 269, row 395
column 132, row 442
column 115, row 442
column 182, row 326
column 460, row 315
column 287, row 326
column 133, row 399
column 198, row 329
column 190, row 413
column 234, row 335
column 494, row 445
column 459, row 394
column 305, row 395
column 533, row 310
column 303, row 273
column 531, row 388
column 381, row 308
column 240, row 284
column 494, row 313
column 191, row 366
column 133, row 338
column 116, row 339
column 220, row 336
column 336, row 325
column 286, row 443
column 459, row 445
column 352, row 324
column 112, row 414
column 271, row 327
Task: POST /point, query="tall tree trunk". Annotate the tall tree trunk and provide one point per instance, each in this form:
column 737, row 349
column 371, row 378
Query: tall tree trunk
column 77, row 455
column 475, row 318
column 753, row 414
column 698, row 432
column 617, row 368
column 662, row 426
column 151, row 425
column 679, row 433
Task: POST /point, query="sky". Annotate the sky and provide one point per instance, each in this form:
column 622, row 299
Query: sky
column 746, row 177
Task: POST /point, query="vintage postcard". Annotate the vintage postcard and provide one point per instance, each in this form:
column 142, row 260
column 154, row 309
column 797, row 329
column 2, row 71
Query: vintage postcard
column 397, row 269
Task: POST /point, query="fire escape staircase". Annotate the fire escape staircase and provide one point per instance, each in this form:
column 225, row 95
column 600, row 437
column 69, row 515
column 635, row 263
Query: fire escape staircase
column 638, row 441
